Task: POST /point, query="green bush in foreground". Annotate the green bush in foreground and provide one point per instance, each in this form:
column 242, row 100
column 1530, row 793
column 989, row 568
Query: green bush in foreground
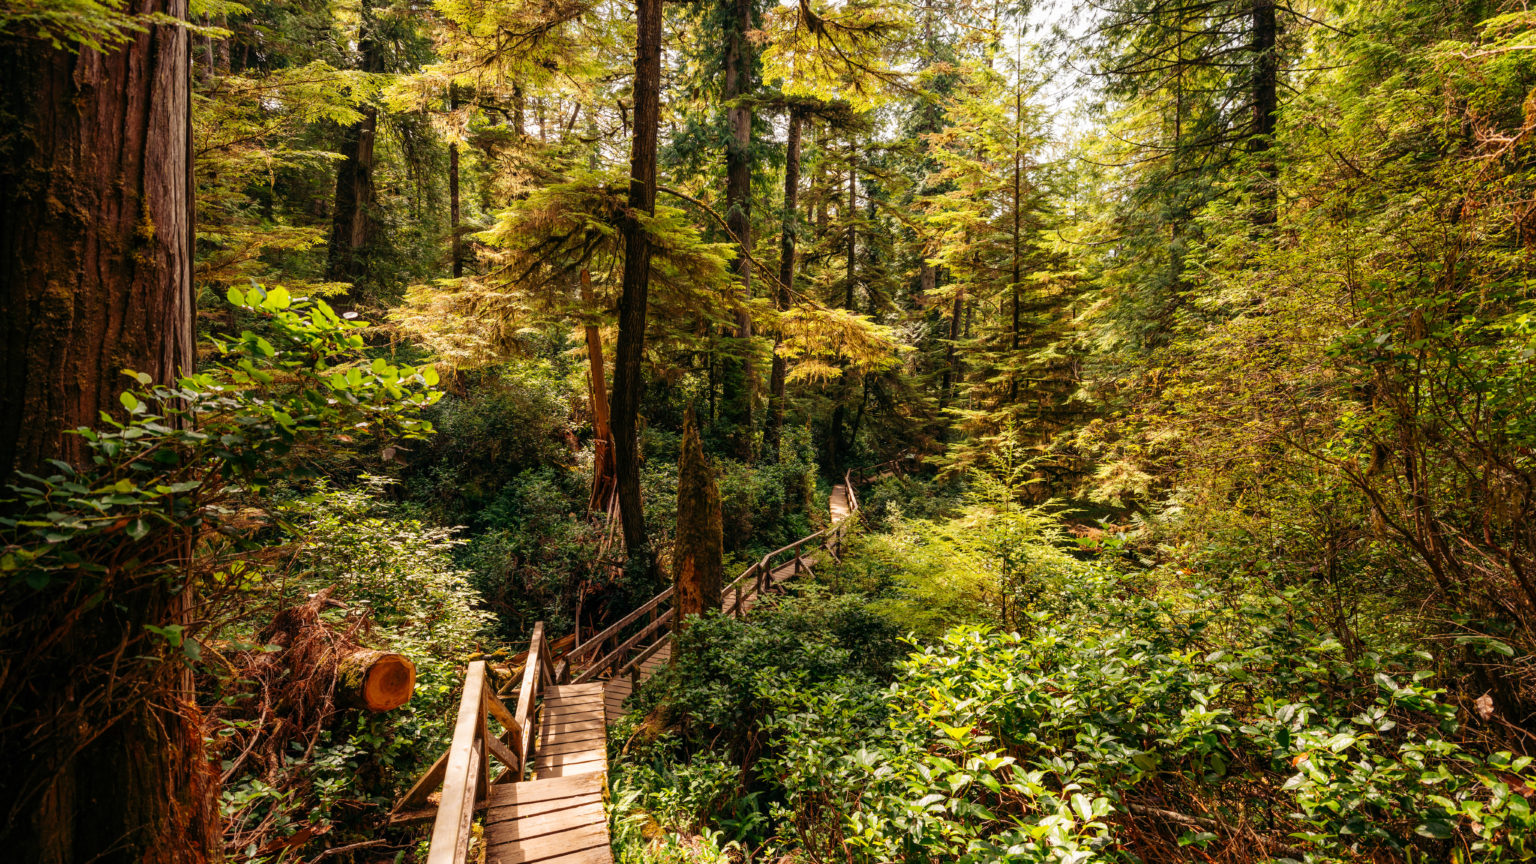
column 1115, row 729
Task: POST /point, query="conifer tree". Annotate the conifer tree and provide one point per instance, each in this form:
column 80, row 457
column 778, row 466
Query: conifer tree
column 104, row 754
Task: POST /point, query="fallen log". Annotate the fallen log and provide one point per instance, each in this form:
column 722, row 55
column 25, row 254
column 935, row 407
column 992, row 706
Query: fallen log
column 374, row 680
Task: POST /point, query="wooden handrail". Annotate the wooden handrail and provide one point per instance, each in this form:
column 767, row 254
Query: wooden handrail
column 612, row 659
column 451, row 829
column 533, row 676
column 464, row 769
column 592, row 644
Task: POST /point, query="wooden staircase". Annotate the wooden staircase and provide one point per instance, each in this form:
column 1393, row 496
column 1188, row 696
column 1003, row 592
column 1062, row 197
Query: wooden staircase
column 545, row 806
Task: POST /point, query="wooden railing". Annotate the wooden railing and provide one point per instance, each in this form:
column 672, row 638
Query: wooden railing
column 619, row 650
column 464, row 770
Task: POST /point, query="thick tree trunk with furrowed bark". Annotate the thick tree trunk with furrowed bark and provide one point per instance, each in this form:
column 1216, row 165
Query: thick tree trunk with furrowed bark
column 95, row 234
column 629, row 351
column 737, row 374
column 104, row 758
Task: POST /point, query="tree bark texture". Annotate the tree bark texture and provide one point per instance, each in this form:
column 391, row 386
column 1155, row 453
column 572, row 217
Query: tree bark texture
column 737, row 375
column 699, row 569
column 629, row 350
column 853, row 211
column 456, row 249
column 1018, row 214
column 951, row 359
column 773, row 428
column 105, row 762
column 95, row 233
column 602, row 432
column 351, row 222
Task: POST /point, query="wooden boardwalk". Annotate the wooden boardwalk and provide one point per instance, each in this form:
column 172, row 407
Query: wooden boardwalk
column 838, row 503
column 617, row 690
column 547, row 806
column 557, row 817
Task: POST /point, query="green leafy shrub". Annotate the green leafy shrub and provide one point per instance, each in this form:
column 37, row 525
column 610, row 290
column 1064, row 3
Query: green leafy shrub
column 399, row 577
column 531, row 551
column 715, row 697
column 991, row 562
column 1113, row 729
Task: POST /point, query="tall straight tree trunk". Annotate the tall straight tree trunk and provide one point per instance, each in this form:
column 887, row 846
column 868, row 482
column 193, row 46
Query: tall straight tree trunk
column 629, row 352
column 602, row 448
column 951, row 360
column 104, row 764
column 351, row 226
column 773, row 429
column 820, row 188
column 1266, row 80
column 1018, row 175
column 853, row 210
column 737, row 370
column 457, row 248
column 350, row 223
column 518, row 117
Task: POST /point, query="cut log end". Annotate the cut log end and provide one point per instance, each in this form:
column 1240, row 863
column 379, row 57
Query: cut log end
column 375, row 680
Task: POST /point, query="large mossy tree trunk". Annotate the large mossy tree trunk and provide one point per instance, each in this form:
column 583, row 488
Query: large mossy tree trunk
column 698, row 551
column 104, row 753
column 737, row 374
column 629, row 348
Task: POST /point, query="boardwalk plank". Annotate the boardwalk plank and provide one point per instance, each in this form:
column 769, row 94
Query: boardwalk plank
column 539, row 824
column 595, row 740
column 560, row 843
column 537, row 808
column 513, row 794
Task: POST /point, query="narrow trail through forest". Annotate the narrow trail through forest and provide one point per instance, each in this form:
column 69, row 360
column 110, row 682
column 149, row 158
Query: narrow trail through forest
column 559, row 817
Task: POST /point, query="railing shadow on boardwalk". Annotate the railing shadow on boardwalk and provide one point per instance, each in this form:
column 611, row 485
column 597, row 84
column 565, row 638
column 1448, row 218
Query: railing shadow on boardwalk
column 545, row 802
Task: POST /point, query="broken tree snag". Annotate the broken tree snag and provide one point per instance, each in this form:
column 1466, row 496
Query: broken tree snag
column 603, row 472
column 375, row 680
